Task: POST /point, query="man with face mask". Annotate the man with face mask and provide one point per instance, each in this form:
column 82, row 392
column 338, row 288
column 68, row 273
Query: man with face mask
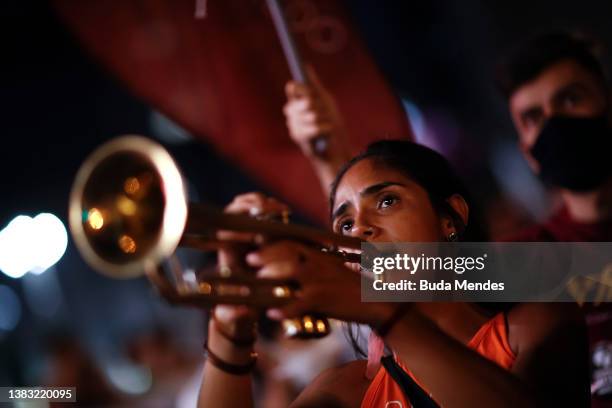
column 559, row 100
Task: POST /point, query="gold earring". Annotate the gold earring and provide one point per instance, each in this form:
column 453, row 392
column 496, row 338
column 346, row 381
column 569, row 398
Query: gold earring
column 452, row 237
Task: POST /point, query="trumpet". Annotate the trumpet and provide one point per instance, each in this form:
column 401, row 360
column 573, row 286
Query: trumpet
column 129, row 212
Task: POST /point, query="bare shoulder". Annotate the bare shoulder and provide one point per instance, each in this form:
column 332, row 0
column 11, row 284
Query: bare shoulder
column 544, row 314
column 338, row 387
column 550, row 341
column 532, row 322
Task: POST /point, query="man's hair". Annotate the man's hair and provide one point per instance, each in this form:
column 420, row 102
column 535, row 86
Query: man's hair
column 526, row 62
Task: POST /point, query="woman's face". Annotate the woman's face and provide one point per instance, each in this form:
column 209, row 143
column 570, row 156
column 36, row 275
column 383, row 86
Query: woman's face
column 378, row 204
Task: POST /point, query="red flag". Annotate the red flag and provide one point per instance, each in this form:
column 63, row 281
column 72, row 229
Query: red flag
column 222, row 77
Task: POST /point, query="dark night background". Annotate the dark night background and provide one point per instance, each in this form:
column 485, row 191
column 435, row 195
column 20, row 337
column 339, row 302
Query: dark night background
column 58, row 105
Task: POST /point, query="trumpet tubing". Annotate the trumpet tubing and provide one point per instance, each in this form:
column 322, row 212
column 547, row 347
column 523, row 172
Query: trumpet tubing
column 129, row 212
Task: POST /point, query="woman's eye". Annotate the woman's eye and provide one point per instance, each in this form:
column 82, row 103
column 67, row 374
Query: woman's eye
column 387, row 201
column 346, row 226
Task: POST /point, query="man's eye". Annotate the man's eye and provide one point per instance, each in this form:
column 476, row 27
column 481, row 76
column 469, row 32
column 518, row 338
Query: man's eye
column 570, row 100
column 387, row 201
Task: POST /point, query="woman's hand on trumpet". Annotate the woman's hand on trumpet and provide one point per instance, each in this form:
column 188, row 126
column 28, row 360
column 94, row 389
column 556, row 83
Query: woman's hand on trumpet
column 255, row 204
column 327, row 285
column 238, row 322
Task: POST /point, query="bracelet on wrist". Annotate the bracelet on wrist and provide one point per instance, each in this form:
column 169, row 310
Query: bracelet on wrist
column 229, row 368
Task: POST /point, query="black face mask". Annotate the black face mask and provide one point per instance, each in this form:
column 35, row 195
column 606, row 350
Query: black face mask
column 575, row 152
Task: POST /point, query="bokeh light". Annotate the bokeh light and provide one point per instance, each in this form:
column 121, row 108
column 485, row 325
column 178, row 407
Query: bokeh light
column 32, row 244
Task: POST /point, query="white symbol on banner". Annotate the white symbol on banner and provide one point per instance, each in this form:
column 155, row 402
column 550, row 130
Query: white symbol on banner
column 200, row 10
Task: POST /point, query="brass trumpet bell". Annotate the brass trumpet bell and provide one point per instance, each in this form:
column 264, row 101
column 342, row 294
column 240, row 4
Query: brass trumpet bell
column 129, row 212
column 128, row 207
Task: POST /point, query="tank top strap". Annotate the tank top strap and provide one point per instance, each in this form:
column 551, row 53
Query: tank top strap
column 490, row 341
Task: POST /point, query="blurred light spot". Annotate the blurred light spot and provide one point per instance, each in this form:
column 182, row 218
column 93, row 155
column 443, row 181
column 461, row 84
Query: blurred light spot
column 290, row 327
column 320, row 326
column 16, row 251
column 308, row 324
column 51, row 241
column 190, row 278
column 10, row 309
column 205, row 288
column 131, row 185
column 416, row 120
column 200, row 11
column 167, row 130
column 31, row 244
column 130, row 378
column 127, row 244
column 95, row 219
column 436, row 129
column 281, row 291
column 126, row 206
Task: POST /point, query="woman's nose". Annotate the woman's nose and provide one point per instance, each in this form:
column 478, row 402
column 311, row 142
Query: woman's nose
column 364, row 231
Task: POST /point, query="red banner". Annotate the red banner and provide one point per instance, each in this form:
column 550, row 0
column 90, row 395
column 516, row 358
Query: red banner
column 222, row 77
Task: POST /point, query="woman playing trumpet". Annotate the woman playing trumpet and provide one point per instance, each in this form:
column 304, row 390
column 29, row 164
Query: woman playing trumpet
column 444, row 354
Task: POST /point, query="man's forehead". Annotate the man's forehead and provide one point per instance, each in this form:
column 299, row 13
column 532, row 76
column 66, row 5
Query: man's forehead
column 544, row 86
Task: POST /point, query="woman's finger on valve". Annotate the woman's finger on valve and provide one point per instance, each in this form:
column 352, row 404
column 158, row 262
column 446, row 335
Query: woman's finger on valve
column 294, row 309
column 256, row 205
column 285, row 251
column 301, row 303
column 279, row 270
column 241, row 204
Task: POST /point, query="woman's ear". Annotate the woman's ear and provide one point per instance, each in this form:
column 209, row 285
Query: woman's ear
column 458, row 204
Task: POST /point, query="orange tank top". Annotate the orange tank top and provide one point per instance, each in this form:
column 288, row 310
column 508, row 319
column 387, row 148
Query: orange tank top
column 491, row 341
